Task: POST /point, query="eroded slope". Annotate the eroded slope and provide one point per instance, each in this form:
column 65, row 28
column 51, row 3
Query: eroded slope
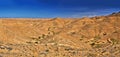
column 84, row 37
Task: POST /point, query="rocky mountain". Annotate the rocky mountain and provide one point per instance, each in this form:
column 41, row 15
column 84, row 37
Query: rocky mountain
column 60, row 37
column 115, row 14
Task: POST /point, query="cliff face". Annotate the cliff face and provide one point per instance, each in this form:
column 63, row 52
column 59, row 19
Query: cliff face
column 61, row 37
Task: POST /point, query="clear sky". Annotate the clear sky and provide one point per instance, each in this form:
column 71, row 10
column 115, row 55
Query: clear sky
column 57, row 8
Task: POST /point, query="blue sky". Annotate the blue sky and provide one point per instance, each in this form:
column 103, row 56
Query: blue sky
column 57, row 8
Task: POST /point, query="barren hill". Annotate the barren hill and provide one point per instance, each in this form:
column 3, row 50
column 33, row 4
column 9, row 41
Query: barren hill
column 61, row 37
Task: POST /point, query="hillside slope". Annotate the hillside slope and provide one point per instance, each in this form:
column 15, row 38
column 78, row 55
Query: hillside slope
column 61, row 37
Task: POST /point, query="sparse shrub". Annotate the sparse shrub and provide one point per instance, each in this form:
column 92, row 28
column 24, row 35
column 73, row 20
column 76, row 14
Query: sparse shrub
column 68, row 49
column 73, row 32
column 36, row 42
column 115, row 32
column 9, row 48
column 51, row 31
column 98, row 45
column 92, row 44
column 114, row 41
column 81, row 37
column 43, row 36
column 104, row 34
column 29, row 42
column 46, row 50
column 39, row 37
column 91, row 55
column 97, row 37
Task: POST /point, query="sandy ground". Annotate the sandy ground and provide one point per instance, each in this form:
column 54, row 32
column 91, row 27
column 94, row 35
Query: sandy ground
column 60, row 37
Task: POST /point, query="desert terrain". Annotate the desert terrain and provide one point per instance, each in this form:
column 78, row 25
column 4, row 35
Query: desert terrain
column 60, row 37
